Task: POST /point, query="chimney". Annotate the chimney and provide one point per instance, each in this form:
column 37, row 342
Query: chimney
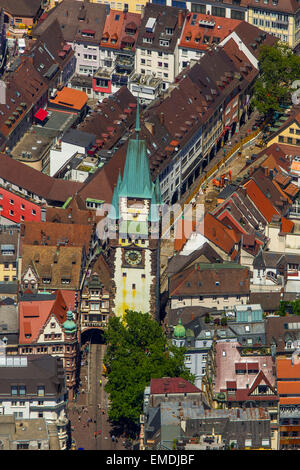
column 180, row 19
column 162, row 118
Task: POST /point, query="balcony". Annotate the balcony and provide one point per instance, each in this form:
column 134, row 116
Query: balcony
column 119, row 79
column 93, row 324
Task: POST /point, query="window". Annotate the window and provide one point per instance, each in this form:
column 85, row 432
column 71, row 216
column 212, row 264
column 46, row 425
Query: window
column 22, row 390
column 198, row 8
column 237, row 15
column 41, row 390
column 22, row 445
column 248, row 442
column 217, row 11
column 14, row 390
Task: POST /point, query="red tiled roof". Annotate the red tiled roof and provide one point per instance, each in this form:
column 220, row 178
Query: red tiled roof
column 172, row 385
column 32, row 325
column 214, row 231
column 262, row 203
column 291, row 189
column 41, row 114
column 285, row 369
column 286, row 225
column 288, row 388
column 221, row 28
column 71, row 98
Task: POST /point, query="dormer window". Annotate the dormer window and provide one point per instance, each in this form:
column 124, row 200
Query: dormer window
column 88, row 33
column 164, row 42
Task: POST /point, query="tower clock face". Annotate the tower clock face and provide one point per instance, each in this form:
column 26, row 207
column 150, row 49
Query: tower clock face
column 133, row 257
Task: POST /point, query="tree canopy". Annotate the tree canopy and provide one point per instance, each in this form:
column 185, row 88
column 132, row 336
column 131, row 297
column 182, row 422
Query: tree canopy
column 136, row 352
column 292, row 307
column 279, row 68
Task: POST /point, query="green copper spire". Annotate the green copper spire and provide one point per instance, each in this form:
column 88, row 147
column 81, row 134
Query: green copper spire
column 114, row 210
column 69, row 325
column 157, row 191
column 154, row 212
column 137, row 119
column 136, row 177
column 179, row 330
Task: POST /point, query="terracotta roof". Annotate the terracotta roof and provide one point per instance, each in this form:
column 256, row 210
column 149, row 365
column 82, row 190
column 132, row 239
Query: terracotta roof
column 51, row 233
column 34, row 181
column 262, row 203
column 286, row 225
column 107, row 114
column 33, row 315
column 292, row 190
column 21, row 7
column 214, row 231
column 219, row 28
column 75, row 17
column 24, row 88
column 56, row 263
column 287, row 370
column 32, row 325
column 70, row 98
column 210, row 279
column 74, row 213
column 288, row 388
column 172, row 385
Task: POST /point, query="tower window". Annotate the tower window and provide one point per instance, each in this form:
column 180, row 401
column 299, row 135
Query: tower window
column 124, row 274
column 133, row 286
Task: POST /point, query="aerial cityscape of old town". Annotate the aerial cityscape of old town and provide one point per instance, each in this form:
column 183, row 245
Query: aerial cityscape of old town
column 150, row 226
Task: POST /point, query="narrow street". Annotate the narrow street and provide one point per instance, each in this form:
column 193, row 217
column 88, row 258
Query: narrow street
column 90, row 428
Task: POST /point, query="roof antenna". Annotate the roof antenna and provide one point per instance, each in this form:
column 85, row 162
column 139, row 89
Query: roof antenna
column 137, row 121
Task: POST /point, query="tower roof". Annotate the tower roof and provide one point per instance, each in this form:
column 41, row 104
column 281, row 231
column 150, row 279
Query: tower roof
column 69, row 325
column 136, row 182
column 179, row 330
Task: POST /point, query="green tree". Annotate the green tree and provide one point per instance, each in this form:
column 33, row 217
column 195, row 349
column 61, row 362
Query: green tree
column 279, row 68
column 136, row 352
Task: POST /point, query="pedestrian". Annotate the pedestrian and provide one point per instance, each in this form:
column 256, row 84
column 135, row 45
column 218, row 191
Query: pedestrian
column 79, row 418
column 103, row 412
column 95, row 434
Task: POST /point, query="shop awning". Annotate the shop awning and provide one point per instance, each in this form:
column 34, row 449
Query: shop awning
column 41, row 114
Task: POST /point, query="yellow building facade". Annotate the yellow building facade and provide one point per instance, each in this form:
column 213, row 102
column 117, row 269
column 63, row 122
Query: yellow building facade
column 285, row 26
column 133, row 6
column 288, row 134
